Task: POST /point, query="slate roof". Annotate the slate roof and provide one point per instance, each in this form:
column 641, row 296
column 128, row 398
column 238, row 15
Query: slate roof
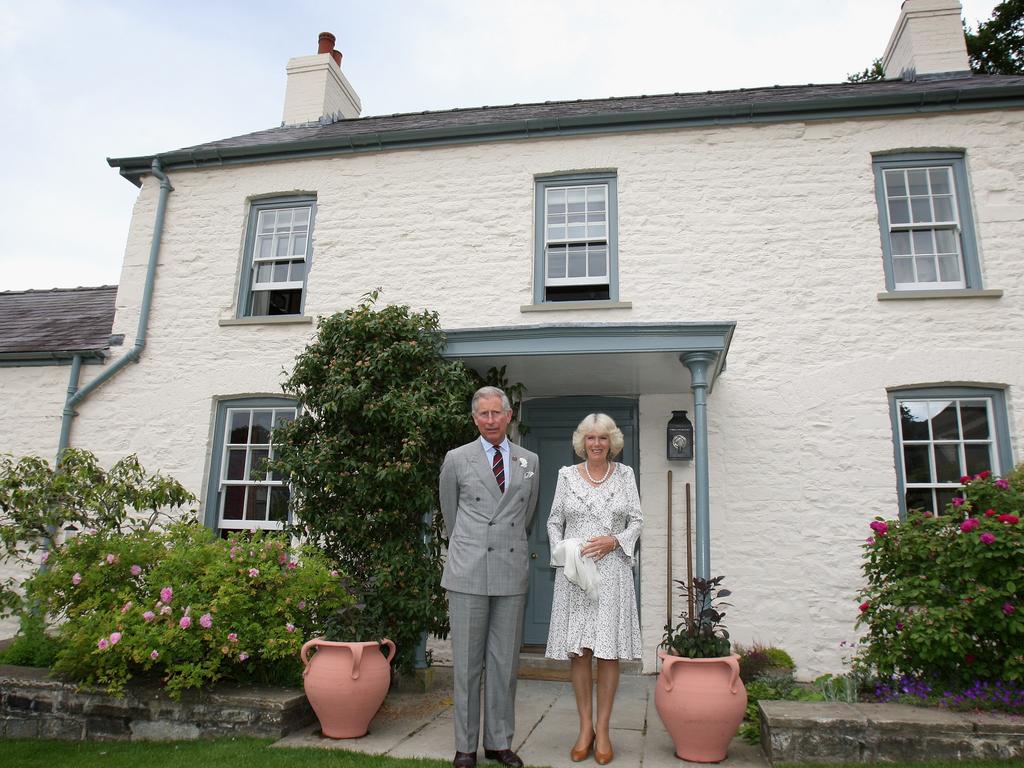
column 56, row 323
column 935, row 93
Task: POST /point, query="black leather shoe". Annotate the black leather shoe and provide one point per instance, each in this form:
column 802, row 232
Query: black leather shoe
column 465, row 760
column 504, row 756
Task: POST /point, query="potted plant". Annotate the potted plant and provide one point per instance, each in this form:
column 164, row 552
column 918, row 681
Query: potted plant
column 346, row 681
column 700, row 696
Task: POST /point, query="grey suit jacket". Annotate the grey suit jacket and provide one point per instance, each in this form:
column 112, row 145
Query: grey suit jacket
column 486, row 530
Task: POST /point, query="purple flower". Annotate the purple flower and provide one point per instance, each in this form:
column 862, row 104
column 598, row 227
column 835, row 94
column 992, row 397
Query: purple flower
column 115, row 638
column 126, row 607
column 45, row 556
column 254, row 572
column 958, row 501
column 206, row 621
column 185, row 622
column 76, row 579
column 879, row 527
column 102, row 644
column 969, row 524
column 148, row 616
column 111, row 559
column 232, row 637
column 1008, row 608
column 1001, row 483
column 243, row 656
column 289, row 627
column 136, row 570
column 166, row 594
column 986, row 538
column 870, row 540
column 302, row 605
column 165, row 610
column 154, row 655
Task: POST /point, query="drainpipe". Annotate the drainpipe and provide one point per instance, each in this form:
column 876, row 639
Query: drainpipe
column 698, row 363
column 75, row 395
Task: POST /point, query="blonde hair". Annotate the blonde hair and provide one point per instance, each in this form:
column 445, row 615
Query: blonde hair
column 601, row 424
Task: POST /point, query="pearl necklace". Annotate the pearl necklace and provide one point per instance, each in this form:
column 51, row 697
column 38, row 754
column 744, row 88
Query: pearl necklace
column 607, row 474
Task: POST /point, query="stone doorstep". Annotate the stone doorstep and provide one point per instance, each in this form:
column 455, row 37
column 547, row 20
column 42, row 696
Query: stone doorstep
column 795, row 731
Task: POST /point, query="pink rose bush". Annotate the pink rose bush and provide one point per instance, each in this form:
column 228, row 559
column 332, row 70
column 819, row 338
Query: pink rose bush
column 949, row 583
column 161, row 603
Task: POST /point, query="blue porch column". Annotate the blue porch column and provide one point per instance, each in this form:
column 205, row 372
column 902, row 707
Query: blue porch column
column 698, row 363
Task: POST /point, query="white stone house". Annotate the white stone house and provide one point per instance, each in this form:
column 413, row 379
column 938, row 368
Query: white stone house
column 828, row 278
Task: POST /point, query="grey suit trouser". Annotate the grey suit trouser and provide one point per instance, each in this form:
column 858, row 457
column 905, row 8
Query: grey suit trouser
column 485, row 631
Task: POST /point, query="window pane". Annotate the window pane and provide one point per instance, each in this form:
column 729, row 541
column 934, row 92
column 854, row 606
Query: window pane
column 944, row 424
column 974, row 415
column 920, row 498
column 943, row 209
column 576, row 198
column 940, row 181
column 264, row 272
column 903, row 270
column 899, row 212
column 978, row 459
column 577, row 231
column 556, row 261
column 945, row 241
column 921, row 209
column 915, row 463
column 236, row 464
column 298, row 271
column 267, row 220
column 281, row 249
column 258, row 465
column 596, row 230
column 280, row 271
column 923, row 242
column 256, row 509
column 301, row 217
column 894, row 183
column 900, row 242
column 597, row 262
column 917, row 179
column 279, row 504
column 944, row 497
column 283, row 417
column 926, row 272
column 263, row 248
column 239, row 431
column 299, row 246
column 949, row 269
column 261, row 421
column 556, row 200
column 914, row 419
column 947, row 463
column 577, row 261
column 234, row 502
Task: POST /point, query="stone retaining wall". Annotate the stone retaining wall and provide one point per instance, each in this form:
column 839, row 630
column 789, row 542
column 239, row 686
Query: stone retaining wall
column 33, row 705
column 834, row 732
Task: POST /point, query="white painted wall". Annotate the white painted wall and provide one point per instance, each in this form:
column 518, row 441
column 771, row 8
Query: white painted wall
column 773, row 227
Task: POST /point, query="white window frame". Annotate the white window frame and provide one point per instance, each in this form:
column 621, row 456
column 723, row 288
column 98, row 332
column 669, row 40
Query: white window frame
column 258, row 232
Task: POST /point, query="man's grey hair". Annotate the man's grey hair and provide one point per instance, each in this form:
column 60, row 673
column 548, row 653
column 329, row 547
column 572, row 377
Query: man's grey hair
column 506, row 404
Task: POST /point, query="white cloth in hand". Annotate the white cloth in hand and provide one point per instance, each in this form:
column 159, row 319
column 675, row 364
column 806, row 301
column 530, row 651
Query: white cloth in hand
column 581, row 571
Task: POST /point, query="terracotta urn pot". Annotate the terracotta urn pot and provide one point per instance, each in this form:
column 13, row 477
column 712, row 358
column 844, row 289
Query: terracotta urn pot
column 346, row 683
column 701, row 702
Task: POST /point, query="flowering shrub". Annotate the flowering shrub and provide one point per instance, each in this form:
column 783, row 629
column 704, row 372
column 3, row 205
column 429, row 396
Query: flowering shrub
column 184, row 605
column 943, row 596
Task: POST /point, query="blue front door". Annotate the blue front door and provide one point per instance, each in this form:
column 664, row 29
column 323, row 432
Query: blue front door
column 551, row 423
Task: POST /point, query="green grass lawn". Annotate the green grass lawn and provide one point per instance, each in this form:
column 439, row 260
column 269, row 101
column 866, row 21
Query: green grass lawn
column 218, row 753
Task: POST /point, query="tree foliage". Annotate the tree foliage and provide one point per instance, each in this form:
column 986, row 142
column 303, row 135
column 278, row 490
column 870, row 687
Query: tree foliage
column 872, row 73
column 997, row 48
column 379, row 408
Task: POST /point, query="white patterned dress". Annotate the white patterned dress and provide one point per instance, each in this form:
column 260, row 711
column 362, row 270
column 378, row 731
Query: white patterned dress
column 609, row 626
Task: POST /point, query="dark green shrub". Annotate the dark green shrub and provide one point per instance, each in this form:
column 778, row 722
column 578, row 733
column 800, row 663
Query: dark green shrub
column 703, row 636
column 379, row 408
column 759, row 660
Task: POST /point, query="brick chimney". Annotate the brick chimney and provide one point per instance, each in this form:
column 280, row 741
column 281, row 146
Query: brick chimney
column 928, row 40
column 317, row 89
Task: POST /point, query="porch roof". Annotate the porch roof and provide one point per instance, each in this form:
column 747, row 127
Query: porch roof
column 593, row 358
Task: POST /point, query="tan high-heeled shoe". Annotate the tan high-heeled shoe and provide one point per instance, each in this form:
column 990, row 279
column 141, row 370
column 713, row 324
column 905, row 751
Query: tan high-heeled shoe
column 603, row 758
column 581, row 754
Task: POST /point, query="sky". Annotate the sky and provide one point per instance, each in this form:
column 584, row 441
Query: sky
column 84, row 80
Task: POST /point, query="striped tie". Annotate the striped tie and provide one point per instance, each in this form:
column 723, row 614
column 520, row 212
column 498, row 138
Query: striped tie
column 498, row 465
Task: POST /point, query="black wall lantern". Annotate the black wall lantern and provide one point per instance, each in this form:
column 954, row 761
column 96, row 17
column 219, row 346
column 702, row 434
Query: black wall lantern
column 680, row 437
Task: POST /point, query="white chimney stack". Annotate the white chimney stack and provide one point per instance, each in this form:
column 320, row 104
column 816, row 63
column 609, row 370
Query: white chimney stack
column 928, row 39
column 316, row 87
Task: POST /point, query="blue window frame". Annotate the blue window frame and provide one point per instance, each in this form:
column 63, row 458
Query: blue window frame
column 241, row 493
column 927, row 229
column 576, row 238
column 941, row 434
column 278, row 253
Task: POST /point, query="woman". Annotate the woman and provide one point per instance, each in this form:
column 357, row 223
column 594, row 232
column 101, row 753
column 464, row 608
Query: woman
column 593, row 527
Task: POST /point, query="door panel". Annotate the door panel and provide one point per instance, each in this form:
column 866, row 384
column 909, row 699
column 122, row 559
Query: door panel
column 551, row 423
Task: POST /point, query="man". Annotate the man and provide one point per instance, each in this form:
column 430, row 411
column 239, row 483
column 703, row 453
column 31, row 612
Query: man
column 488, row 493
